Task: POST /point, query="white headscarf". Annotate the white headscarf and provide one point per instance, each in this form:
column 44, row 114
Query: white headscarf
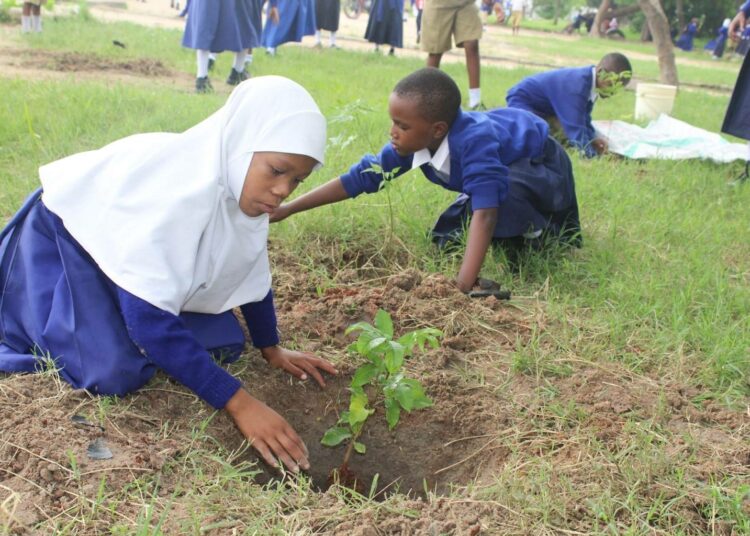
column 159, row 213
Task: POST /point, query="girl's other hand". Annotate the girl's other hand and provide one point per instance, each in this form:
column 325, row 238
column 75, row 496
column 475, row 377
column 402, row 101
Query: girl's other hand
column 267, row 432
column 299, row 364
column 274, row 15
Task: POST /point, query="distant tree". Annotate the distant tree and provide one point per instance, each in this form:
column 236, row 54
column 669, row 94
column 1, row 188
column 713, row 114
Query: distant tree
column 659, row 26
column 596, row 28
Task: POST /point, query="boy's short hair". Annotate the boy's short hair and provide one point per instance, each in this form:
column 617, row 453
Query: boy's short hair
column 438, row 96
column 617, row 63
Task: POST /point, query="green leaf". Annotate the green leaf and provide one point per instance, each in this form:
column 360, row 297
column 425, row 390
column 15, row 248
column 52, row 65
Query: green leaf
column 384, row 323
column 361, row 326
column 410, row 394
column 374, row 343
column 358, row 411
column 360, row 447
column 335, row 435
column 364, row 375
column 392, row 412
column 394, row 359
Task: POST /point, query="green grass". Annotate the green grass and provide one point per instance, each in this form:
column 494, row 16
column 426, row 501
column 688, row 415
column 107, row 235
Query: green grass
column 660, row 286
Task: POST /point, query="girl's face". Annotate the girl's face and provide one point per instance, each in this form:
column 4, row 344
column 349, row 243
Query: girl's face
column 271, row 178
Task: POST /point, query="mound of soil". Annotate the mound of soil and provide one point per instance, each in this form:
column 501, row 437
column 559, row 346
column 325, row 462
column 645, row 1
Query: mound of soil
column 81, row 62
column 486, row 421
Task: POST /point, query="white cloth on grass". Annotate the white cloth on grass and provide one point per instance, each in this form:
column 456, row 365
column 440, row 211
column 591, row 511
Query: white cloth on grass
column 159, row 212
column 669, row 139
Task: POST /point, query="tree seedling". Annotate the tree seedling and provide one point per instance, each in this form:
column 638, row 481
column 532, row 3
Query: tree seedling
column 383, row 371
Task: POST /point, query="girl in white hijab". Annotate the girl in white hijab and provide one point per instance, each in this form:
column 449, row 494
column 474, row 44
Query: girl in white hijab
column 131, row 257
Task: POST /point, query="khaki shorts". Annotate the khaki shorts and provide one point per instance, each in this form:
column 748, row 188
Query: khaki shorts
column 516, row 17
column 440, row 24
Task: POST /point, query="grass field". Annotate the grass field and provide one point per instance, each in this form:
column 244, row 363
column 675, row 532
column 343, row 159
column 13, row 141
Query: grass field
column 655, row 306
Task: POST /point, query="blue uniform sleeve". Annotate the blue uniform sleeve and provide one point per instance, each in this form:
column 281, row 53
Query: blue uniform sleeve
column 164, row 340
column 575, row 118
column 361, row 177
column 485, row 178
column 745, row 8
column 260, row 318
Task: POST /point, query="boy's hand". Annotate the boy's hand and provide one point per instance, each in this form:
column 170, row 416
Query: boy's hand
column 600, row 145
column 299, row 364
column 487, row 287
column 279, row 214
column 267, row 432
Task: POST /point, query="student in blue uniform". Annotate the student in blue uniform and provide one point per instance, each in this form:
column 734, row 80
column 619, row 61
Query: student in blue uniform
column 717, row 45
column 517, row 180
column 216, row 26
column 739, row 22
column 566, row 97
column 386, row 24
column 131, row 258
column 296, row 19
column 685, row 41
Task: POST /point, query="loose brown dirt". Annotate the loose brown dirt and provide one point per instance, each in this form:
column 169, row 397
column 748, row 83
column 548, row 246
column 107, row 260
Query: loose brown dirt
column 489, row 418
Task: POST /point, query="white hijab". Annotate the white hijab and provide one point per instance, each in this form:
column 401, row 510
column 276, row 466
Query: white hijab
column 159, row 213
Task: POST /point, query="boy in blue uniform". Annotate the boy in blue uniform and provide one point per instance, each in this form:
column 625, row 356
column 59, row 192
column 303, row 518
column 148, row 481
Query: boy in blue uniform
column 567, row 96
column 518, row 180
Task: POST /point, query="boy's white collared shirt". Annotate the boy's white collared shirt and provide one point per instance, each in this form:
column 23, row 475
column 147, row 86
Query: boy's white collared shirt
column 440, row 161
column 594, row 95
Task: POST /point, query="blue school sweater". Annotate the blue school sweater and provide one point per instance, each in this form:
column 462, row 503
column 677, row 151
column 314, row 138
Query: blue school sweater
column 482, row 145
column 564, row 93
column 745, row 8
column 166, row 341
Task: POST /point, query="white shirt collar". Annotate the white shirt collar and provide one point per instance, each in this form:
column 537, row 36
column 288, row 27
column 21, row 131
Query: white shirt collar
column 594, row 95
column 440, row 161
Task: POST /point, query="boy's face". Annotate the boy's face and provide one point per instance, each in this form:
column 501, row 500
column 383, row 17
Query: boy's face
column 410, row 131
column 270, row 179
column 609, row 84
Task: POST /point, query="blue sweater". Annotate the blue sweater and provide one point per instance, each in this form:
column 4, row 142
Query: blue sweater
column 482, row 145
column 745, row 8
column 565, row 94
column 166, row 341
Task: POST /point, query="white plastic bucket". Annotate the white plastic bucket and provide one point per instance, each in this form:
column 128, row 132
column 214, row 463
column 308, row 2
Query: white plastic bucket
column 653, row 99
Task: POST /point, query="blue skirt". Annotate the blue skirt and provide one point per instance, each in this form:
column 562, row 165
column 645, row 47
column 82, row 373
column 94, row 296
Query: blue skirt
column 296, row 20
column 541, row 197
column 219, row 25
column 386, row 25
column 737, row 118
column 56, row 305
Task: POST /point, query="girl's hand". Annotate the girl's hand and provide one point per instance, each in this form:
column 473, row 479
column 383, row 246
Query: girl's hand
column 267, row 432
column 299, row 364
column 274, row 15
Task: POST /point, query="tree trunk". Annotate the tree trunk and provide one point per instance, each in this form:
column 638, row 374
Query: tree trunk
column 659, row 26
column 680, row 12
column 557, row 11
column 645, row 32
column 596, row 28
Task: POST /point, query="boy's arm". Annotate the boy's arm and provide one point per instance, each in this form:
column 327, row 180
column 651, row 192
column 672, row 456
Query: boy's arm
column 362, row 177
column 481, row 229
column 331, row 192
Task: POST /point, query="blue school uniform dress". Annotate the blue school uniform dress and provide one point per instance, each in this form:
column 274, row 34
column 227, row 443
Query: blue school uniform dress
column 296, row 20
column 567, row 94
column 737, row 118
column 717, row 45
column 500, row 159
column 219, row 25
column 685, row 41
column 57, row 303
column 135, row 254
column 385, row 26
